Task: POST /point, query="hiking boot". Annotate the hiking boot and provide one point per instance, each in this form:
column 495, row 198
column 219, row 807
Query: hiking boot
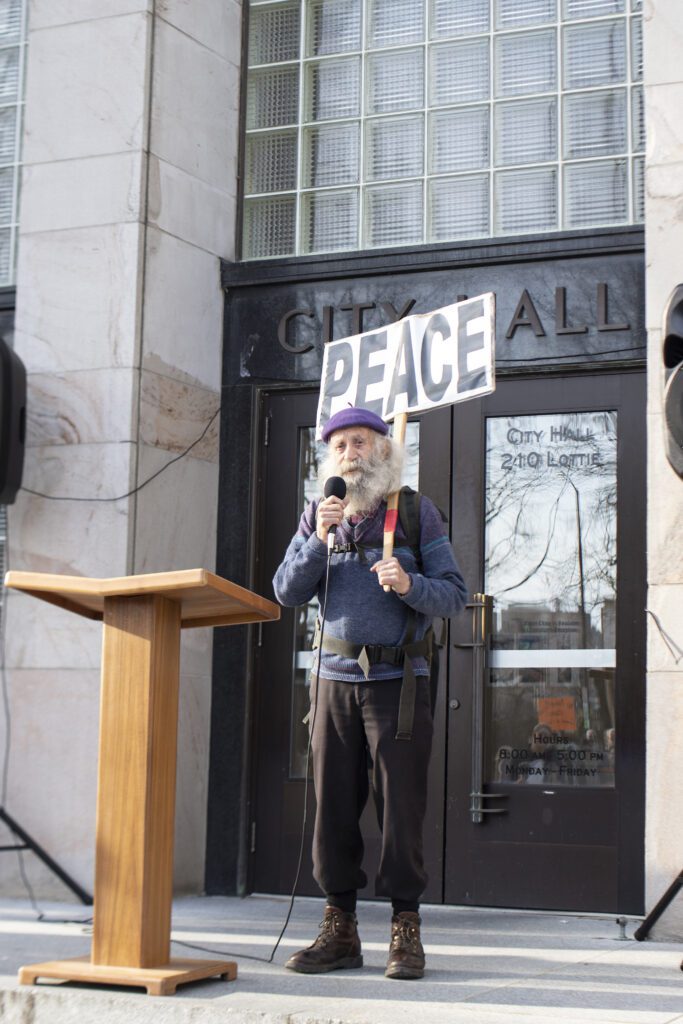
column 336, row 948
column 406, row 955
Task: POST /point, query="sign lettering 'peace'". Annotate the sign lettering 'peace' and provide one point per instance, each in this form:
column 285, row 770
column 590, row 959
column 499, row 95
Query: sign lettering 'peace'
column 415, row 365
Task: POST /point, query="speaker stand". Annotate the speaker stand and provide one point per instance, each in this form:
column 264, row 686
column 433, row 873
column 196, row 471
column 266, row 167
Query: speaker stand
column 28, row 843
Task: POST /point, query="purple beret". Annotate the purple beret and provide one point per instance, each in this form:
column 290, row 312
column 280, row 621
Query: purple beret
column 351, row 417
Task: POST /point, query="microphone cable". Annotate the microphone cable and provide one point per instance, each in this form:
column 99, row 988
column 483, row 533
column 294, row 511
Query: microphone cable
column 269, row 959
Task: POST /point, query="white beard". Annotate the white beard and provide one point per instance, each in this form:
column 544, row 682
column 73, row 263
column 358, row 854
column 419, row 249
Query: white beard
column 368, row 481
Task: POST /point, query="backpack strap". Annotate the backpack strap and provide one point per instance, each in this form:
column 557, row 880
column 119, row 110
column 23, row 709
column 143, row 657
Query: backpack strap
column 409, row 517
column 368, row 655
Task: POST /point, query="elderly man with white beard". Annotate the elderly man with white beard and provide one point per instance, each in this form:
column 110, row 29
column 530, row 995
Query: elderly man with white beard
column 373, row 693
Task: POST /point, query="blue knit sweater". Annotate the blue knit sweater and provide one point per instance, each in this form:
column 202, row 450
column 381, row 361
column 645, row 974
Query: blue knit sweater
column 358, row 609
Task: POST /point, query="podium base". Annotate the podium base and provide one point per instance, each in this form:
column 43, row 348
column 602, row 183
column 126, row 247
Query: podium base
column 159, row 981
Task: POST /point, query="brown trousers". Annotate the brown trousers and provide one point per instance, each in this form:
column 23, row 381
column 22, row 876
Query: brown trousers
column 348, row 720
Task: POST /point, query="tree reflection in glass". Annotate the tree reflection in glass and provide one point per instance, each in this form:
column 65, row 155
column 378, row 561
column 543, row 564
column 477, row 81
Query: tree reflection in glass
column 551, row 569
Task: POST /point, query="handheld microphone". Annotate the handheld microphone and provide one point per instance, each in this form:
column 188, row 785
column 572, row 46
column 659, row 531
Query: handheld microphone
column 335, row 486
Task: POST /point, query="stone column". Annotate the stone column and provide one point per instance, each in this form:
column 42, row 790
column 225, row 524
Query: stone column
column 128, row 202
column 663, row 30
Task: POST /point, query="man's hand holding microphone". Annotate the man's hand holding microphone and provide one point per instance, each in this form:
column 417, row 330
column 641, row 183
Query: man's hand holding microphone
column 330, row 514
column 331, row 510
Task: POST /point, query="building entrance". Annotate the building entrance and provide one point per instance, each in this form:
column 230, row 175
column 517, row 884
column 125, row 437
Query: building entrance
column 536, row 786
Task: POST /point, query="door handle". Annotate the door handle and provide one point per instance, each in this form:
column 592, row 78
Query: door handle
column 482, row 609
column 477, row 603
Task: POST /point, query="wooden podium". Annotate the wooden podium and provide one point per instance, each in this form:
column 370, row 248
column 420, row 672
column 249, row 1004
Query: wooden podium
column 142, row 618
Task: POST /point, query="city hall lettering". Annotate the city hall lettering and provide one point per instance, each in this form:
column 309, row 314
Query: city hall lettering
column 526, row 315
column 563, row 433
column 542, row 456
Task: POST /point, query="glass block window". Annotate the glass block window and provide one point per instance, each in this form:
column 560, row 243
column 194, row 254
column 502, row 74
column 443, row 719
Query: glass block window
column 274, row 33
column 459, row 139
column 526, row 131
column 395, row 81
column 394, row 22
column 333, row 27
column 450, row 20
column 460, row 204
column 330, row 220
column 271, row 162
column 526, row 201
column 595, row 123
column 12, row 59
column 331, row 154
column 389, row 148
column 596, row 192
column 459, row 73
column 394, row 215
column 379, row 123
column 332, row 89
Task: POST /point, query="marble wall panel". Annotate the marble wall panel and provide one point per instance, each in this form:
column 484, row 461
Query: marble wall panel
column 662, row 40
column 48, row 13
column 196, row 646
column 53, row 765
column 173, row 415
column 184, row 301
column 664, row 820
column 194, row 115
column 665, row 644
column 41, row 636
column 77, row 299
column 76, row 538
column 86, row 89
column 81, row 407
column 216, row 24
column 665, row 510
column 80, row 193
column 176, row 514
column 664, row 128
column 663, row 238
column 192, row 781
column 70, row 475
column 186, row 207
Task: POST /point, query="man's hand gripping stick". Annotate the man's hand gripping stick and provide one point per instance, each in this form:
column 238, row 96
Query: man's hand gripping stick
column 391, row 517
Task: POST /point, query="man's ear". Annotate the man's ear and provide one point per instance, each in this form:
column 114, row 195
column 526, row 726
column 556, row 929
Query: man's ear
column 384, row 446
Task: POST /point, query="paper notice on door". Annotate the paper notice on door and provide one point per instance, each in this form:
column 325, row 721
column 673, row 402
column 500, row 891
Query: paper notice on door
column 557, row 712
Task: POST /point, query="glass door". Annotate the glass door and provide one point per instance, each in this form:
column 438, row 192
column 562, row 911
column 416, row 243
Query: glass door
column 546, row 744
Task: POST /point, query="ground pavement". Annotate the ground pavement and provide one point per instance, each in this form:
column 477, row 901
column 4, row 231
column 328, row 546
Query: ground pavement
column 484, row 967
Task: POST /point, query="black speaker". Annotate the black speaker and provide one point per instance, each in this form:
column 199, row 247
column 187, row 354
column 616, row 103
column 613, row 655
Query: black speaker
column 673, row 391
column 12, row 422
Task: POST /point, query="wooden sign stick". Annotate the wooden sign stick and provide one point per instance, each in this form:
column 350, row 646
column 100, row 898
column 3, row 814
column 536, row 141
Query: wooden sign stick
column 391, row 517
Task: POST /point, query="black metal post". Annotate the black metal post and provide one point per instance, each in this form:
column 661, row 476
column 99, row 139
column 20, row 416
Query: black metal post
column 27, row 843
column 643, row 930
